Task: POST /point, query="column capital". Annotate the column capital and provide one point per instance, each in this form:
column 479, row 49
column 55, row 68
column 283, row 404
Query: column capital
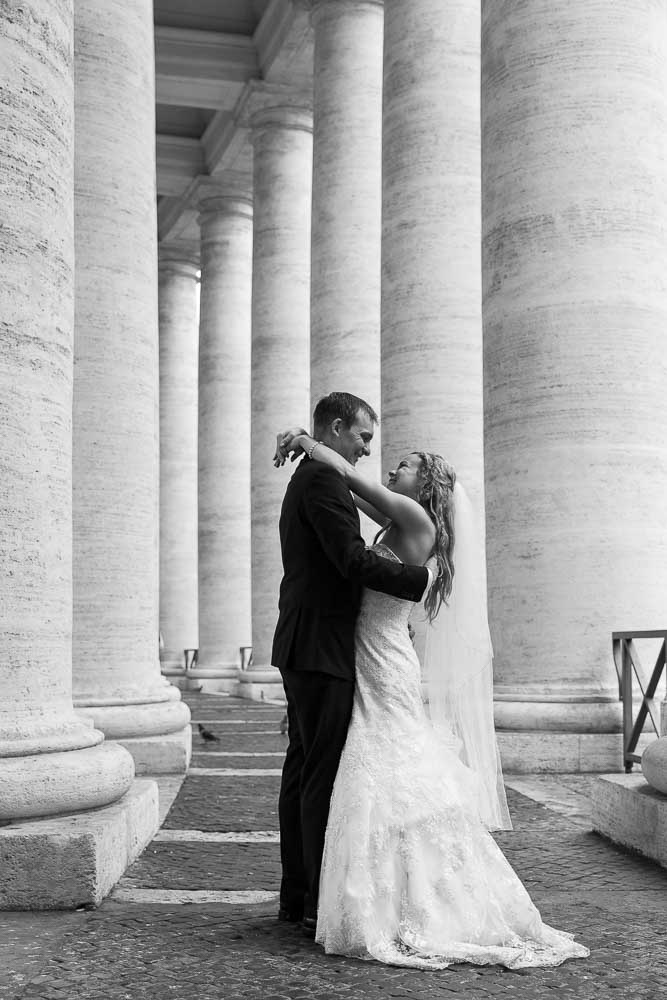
column 224, row 204
column 263, row 104
column 179, row 256
column 229, row 192
column 315, row 6
column 229, row 185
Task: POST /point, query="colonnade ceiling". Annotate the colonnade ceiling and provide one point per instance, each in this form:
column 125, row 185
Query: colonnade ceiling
column 207, row 53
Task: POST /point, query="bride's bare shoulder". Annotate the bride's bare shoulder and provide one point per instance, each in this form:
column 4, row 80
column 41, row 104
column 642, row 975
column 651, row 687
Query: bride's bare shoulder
column 411, row 545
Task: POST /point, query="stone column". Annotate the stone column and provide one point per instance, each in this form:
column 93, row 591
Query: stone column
column 282, row 142
column 431, row 226
column 347, row 197
column 53, row 764
column 117, row 676
column 431, row 280
column 51, row 761
column 224, row 431
column 574, row 110
column 179, row 338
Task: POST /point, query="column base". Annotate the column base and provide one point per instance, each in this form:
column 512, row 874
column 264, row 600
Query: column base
column 218, row 685
column 52, row 784
column 130, row 721
column 185, row 683
column 207, row 678
column 166, row 754
column 261, row 685
column 211, row 677
column 65, row 862
column 572, row 716
column 172, row 661
column 627, row 811
column 542, row 752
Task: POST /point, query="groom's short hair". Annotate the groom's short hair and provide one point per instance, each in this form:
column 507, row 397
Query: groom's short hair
column 341, row 405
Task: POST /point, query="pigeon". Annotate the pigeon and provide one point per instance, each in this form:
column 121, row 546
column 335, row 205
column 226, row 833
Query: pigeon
column 207, row 736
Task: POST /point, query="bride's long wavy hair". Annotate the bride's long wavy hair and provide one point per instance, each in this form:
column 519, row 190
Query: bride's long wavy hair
column 436, row 495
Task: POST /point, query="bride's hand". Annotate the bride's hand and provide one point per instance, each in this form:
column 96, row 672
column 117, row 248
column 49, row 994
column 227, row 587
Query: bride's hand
column 285, row 443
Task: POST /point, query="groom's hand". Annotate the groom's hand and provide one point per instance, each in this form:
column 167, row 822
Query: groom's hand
column 431, row 565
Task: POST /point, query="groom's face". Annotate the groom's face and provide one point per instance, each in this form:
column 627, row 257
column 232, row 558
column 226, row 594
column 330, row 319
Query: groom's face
column 354, row 441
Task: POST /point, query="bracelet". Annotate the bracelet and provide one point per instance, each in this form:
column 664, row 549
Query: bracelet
column 312, row 448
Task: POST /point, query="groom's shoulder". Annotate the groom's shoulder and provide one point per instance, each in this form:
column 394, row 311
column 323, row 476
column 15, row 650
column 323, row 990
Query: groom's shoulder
column 316, row 477
column 308, row 472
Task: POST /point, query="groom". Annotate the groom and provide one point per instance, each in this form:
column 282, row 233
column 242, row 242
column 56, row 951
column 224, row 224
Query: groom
column 326, row 564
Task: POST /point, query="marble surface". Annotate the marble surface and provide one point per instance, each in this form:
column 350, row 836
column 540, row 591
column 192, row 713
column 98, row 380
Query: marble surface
column 431, row 226
column 226, row 220
column 574, row 111
column 282, row 138
column 178, row 298
column 347, row 205
column 37, row 721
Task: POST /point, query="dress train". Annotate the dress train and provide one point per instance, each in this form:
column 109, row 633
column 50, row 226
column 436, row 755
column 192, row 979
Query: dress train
column 410, row 875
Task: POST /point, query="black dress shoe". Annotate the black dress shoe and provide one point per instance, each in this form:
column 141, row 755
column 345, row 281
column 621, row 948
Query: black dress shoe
column 290, row 915
column 309, row 926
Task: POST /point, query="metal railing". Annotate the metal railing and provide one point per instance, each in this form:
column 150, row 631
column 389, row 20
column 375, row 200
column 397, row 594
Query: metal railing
column 191, row 659
column 628, row 667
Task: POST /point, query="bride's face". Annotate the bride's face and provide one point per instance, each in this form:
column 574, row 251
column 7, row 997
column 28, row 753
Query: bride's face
column 406, row 477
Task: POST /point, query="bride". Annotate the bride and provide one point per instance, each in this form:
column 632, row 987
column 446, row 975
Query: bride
column 410, row 875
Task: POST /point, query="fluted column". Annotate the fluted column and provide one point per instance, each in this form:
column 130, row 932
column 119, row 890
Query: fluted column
column 116, row 667
column 347, row 201
column 282, row 142
column 179, row 339
column 574, row 104
column 224, row 431
column 50, row 760
column 431, row 280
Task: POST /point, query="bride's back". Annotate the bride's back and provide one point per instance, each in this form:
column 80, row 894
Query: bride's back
column 409, row 546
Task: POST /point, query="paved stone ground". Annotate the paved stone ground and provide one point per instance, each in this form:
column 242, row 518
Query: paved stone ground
column 130, row 949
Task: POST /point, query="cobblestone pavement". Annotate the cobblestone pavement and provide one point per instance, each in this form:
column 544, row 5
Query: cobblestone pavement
column 219, row 841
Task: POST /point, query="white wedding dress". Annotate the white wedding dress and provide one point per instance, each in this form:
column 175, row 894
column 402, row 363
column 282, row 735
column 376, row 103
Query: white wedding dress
column 410, row 875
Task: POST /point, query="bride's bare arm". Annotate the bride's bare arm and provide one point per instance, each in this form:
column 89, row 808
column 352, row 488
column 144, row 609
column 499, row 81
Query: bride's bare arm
column 402, row 510
column 370, row 511
column 285, row 444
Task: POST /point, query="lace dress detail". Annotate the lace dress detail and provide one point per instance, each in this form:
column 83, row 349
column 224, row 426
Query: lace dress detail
column 410, row 875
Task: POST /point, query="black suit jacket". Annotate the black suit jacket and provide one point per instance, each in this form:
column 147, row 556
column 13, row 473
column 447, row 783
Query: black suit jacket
column 326, row 564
